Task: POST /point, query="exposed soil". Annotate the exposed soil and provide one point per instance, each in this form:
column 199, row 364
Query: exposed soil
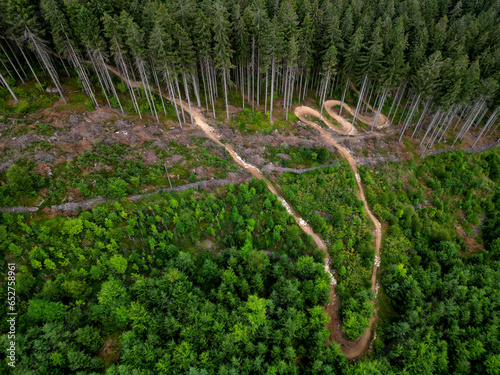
column 351, row 349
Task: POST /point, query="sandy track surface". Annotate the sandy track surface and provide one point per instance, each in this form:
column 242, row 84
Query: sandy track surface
column 351, row 349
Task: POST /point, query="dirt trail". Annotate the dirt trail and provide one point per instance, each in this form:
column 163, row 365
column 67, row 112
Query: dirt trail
column 329, row 104
column 199, row 119
column 351, row 349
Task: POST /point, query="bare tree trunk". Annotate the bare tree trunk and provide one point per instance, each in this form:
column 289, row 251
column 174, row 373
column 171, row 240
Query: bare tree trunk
column 4, row 82
column 410, row 115
column 422, row 116
column 460, row 117
column 12, row 64
column 473, row 114
column 489, row 123
column 31, row 68
column 399, row 99
column 272, row 90
column 360, row 100
column 170, row 86
column 305, row 85
column 180, row 99
column 438, row 113
column 242, row 86
column 224, row 74
column 343, row 96
column 323, row 96
column 204, row 84
column 97, row 72
column 258, row 79
column 196, row 88
column 438, row 129
column 186, row 92
column 450, row 120
column 7, row 70
column 480, row 118
column 369, row 97
column 267, row 79
column 211, row 90
column 380, row 107
column 157, row 82
column 15, row 57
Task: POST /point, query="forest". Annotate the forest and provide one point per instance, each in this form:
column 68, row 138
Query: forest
column 439, row 58
column 250, row 186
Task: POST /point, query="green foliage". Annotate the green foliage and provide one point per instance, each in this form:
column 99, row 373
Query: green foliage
column 141, row 272
column 20, row 181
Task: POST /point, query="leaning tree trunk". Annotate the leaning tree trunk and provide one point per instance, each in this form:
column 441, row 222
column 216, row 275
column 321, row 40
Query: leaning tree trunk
column 473, row 114
column 360, row 99
column 12, row 64
column 410, row 115
column 41, row 52
column 343, row 96
column 438, row 113
column 323, row 96
column 186, row 92
column 4, row 82
column 380, row 107
column 480, row 118
column 180, row 99
column 15, row 57
column 450, row 120
column 489, row 123
column 170, row 87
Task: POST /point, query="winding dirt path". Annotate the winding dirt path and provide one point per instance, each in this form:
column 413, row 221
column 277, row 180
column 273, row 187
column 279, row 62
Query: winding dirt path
column 347, row 126
column 351, row 349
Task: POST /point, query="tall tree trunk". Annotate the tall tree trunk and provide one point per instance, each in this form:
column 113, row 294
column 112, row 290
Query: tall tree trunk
column 224, row 74
column 157, row 82
column 450, row 120
column 196, row 88
column 473, row 114
column 422, row 116
column 323, row 96
column 438, row 113
column 380, row 107
column 491, row 120
column 272, row 90
column 267, row 79
column 186, row 92
column 409, row 118
column 242, row 86
column 180, row 99
column 170, row 85
column 360, row 100
column 436, row 129
column 343, row 96
column 31, row 68
column 15, row 57
column 204, row 84
column 369, row 97
column 480, row 118
column 97, row 72
column 12, row 64
column 399, row 99
column 4, row 82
